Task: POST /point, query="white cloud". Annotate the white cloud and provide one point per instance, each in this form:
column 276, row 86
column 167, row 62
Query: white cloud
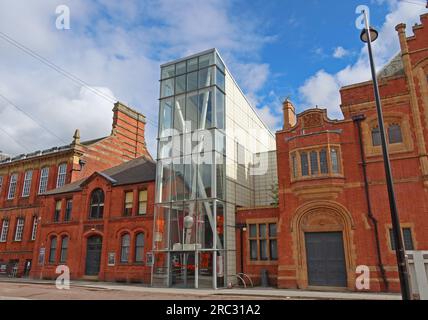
column 271, row 119
column 115, row 48
column 340, row 52
column 323, row 88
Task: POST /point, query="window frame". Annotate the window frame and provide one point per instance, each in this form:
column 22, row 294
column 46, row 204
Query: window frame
column 57, row 211
column 26, row 186
column 13, row 181
column 52, row 250
column 258, row 239
column 99, row 205
column 44, row 180
column 403, row 229
column 68, row 210
column 4, row 230
column 64, row 249
column 140, row 202
column 297, row 155
column 126, row 247
column 34, row 228
column 61, row 178
column 19, row 229
column 137, row 247
column 128, row 211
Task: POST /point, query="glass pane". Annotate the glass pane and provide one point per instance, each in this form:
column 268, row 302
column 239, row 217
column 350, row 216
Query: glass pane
column 165, row 117
column 205, row 225
column 205, row 109
column 407, row 238
column 206, row 270
column 253, row 230
column 176, row 228
column 206, row 60
column 205, row 179
column 177, row 146
column 160, row 269
column 189, row 178
column 273, row 250
column 192, row 81
column 263, row 250
column 192, row 64
column 314, row 163
column 165, row 147
column 334, row 161
column 220, row 176
column 253, row 249
column 219, row 109
column 262, row 231
column 161, row 227
column 394, row 134
column 182, row 273
column 163, row 181
column 180, row 84
column 220, row 79
column 178, row 180
column 323, row 161
column 304, row 164
column 206, row 77
column 179, row 113
column 220, row 142
column 294, row 165
column 180, row 68
column 220, row 63
column 376, row 137
column 192, row 112
column 168, row 71
column 167, row 88
column 189, row 237
column 272, row 230
column 220, row 225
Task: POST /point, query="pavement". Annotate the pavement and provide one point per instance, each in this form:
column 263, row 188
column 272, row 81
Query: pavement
column 13, row 288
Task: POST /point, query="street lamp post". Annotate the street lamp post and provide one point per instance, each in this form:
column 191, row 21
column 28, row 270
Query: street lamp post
column 368, row 35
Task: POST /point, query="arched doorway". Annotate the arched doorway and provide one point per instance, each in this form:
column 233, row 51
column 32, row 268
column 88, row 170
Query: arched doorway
column 93, row 255
column 322, row 235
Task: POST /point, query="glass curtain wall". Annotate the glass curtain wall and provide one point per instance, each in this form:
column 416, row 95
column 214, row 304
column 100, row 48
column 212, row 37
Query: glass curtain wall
column 189, row 240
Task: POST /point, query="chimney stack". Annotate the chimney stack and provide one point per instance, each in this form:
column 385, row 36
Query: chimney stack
column 289, row 114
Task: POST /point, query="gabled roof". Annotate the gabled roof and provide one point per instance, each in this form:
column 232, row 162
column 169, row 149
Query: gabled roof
column 131, row 172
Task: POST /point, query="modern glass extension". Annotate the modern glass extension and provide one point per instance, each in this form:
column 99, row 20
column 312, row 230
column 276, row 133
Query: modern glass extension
column 194, row 226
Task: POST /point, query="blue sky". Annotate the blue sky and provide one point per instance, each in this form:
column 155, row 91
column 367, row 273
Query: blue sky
column 303, row 49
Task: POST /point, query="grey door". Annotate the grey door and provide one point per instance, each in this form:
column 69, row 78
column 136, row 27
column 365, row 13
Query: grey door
column 93, row 255
column 325, row 259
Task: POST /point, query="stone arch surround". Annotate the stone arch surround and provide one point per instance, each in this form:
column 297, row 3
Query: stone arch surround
column 322, row 216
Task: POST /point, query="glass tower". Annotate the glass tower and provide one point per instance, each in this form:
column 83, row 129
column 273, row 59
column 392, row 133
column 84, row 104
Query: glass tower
column 206, row 149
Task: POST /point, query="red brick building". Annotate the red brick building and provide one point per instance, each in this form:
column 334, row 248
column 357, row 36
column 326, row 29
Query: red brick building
column 24, row 178
column 100, row 226
column 333, row 213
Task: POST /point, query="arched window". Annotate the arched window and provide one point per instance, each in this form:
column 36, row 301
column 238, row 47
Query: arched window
column 62, row 175
column 376, row 136
column 394, row 134
column 124, row 248
column 64, row 249
column 139, row 247
column 97, row 204
column 52, row 250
